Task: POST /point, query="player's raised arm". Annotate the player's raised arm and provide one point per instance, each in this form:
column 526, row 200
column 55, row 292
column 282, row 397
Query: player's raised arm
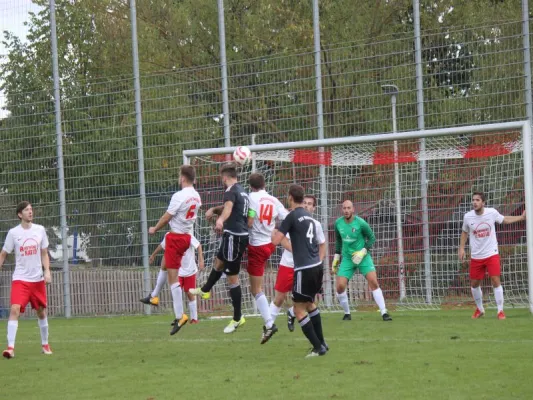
column 508, row 219
column 214, row 211
column 226, row 212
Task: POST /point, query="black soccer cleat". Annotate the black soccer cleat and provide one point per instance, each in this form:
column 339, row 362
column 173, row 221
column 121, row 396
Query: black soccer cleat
column 177, row 324
column 347, row 317
column 325, row 345
column 290, row 321
column 268, row 333
column 386, row 317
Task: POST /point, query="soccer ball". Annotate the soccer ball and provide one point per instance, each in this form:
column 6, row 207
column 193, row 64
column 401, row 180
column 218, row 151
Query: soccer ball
column 242, row 155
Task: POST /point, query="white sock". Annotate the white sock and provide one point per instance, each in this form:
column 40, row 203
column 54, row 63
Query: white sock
column 177, row 300
column 264, row 309
column 193, row 309
column 12, row 327
column 380, row 301
column 343, row 301
column 43, row 326
column 498, row 295
column 291, row 312
column 478, row 298
column 161, row 279
column 274, row 311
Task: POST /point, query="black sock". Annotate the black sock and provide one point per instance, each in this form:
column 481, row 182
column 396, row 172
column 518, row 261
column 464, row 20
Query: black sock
column 309, row 332
column 317, row 324
column 236, row 300
column 213, row 278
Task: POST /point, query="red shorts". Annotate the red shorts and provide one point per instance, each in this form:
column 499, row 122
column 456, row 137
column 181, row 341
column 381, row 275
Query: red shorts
column 284, row 280
column 257, row 258
column 176, row 244
column 187, row 282
column 23, row 293
column 478, row 268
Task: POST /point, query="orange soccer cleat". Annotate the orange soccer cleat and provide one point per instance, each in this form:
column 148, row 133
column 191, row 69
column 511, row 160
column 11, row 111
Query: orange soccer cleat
column 501, row 315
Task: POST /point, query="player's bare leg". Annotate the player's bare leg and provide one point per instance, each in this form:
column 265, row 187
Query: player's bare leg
column 213, row 278
column 341, row 283
column 177, row 301
column 309, row 319
column 12, row 327
column 42, row 319
column 498, row 295
column 236, row 301
column 478, row 298
column 372, row 279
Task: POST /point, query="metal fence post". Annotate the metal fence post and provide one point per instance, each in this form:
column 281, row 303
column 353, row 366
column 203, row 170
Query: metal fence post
column 140, row 150
column 527, row 60
column 224, row 72
column 423, row 165
column 320, row 129
column 60, row 164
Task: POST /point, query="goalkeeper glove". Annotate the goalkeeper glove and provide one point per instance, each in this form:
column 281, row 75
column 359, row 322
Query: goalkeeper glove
column 357, row 256
column 335, row 264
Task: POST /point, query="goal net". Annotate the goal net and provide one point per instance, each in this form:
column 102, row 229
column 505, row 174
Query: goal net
column 411, row 273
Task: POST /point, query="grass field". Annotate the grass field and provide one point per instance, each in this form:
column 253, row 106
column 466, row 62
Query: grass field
column 420, row 355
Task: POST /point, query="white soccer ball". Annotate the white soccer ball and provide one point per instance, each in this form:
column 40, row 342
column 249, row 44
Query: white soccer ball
column 242, row 155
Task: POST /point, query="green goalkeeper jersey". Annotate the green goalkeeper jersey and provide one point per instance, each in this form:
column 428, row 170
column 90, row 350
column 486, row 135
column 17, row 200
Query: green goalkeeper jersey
column 352, row 236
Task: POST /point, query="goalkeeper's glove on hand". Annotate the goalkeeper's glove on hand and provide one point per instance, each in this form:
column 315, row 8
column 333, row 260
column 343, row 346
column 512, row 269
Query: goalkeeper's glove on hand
column 357, row 256
column 335, row 264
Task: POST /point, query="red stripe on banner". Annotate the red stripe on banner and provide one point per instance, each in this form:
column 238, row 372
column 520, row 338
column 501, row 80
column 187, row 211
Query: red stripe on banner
column 487, row 150
column 381, row 158
column 311, row 157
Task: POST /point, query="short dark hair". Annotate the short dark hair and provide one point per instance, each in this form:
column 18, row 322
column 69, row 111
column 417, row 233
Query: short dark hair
column 21, row 206
column 229, row 169
column 257, row 181
column 297, row 193
column 481, row 195
column 188, row 172
column 310, row 196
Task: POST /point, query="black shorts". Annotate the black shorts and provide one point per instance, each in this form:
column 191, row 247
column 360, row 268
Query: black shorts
column 307, row 284
column 231, row 250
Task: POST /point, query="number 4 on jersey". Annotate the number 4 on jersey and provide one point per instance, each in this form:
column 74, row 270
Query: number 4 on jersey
column 311, row 232
column 265, row 213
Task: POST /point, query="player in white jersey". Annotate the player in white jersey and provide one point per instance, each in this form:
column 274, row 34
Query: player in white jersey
column 285, row 278
column 265, row 209
column 478, row 226
column 30, row 243
column 186, row 275
column 180, row 216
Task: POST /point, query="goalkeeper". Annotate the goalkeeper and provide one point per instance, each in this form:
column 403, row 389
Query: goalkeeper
column 353, row 240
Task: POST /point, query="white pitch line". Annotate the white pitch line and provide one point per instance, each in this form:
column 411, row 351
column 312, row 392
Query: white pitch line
column 247, row 340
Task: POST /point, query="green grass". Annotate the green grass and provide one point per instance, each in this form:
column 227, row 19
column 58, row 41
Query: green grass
column 420, row 355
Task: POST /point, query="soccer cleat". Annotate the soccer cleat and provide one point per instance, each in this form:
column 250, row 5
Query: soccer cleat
column 315, row 353
column 268, row 333
column 233, row 325
column 153, row 301
column 325, row 345
column 198, row 291
column 290, row 321
column 347, row 317
column 9, row 353
column 478, row 314
column 178, row 324
column 46, row 349
column 386, row 317
column 194, row 321
column 501, row 315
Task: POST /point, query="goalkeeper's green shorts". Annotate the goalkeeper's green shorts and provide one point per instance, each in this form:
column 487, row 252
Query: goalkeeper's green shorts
column 348, row 268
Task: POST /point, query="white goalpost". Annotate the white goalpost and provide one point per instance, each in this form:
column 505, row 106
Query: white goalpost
column 375, row 172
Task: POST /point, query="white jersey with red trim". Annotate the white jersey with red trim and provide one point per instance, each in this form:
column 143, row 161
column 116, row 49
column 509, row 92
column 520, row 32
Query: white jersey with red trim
column 27, row 244
column 184, row 207
column 482, row 232
column 188, row 262
column 267, row 209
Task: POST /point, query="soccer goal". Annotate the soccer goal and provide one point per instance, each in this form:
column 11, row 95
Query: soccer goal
column 417, row 224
